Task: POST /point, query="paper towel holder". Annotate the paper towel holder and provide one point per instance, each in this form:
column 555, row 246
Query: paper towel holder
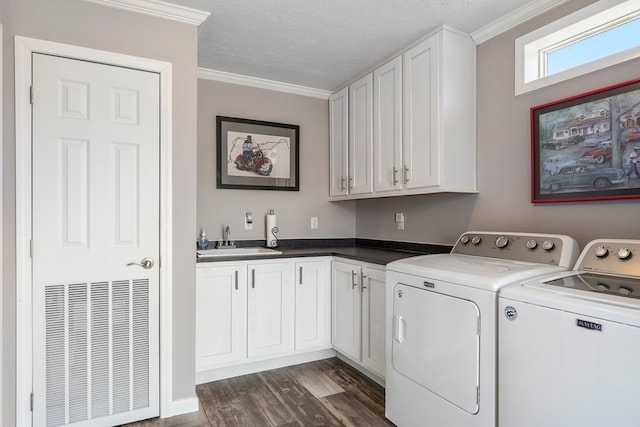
column 272, row 230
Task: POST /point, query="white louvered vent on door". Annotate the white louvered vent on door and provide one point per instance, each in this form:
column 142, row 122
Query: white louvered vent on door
column 97, row 350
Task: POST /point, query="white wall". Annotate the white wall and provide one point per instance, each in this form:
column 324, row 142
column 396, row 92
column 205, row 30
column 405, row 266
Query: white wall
column 218, row 207
column 86, row 24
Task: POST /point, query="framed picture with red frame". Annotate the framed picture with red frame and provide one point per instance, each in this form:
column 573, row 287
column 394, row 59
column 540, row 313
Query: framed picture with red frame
column 587, row 147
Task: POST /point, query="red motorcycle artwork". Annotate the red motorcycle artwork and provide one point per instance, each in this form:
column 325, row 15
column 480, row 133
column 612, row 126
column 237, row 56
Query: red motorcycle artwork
column 253, row 157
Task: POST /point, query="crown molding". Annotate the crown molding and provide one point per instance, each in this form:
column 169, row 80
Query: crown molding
column 158, row 8
column 513, row 19
column 239, row 79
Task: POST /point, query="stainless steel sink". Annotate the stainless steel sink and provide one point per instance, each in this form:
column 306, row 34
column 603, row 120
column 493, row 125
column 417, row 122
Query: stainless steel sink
column 229, row 252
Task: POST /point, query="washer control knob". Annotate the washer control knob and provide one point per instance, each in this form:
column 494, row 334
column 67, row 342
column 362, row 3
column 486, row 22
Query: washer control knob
column 624, row 253
column 532, row 244
column 476, row 240
column 623, row 290
column 548, row 245
column 600, row 251
column 502, row 241
column 464, row 239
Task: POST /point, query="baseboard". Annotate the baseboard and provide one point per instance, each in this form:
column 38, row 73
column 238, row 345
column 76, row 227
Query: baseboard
column 181, row 406
column 263, row 365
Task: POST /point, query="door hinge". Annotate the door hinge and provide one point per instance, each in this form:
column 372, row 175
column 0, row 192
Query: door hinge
column 31, row 248
column 31, row 94
column 31, row 402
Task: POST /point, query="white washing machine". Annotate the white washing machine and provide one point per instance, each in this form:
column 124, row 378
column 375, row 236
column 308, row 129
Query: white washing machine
column 441, row 324
column 569, row 352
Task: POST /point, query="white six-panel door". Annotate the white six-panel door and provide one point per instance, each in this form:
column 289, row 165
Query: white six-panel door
column 95, row 219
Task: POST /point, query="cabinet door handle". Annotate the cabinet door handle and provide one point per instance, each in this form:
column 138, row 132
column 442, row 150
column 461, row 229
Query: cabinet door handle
column 395, row 176
column 342, row 180
column 350, row 183
column 253, row 278
column 354, row 283
column 300, row 277
column 405, row 174
column 236, row 280
column 362, row 277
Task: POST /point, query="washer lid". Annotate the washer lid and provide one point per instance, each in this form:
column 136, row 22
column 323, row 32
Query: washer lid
column 567, row 291
column 477, row 272
column 600, row 283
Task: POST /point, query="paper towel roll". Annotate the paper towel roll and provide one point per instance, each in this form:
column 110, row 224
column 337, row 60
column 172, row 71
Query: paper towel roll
column 272, row 230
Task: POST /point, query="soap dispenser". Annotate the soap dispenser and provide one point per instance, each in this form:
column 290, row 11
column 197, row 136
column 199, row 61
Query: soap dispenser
column 203, row 242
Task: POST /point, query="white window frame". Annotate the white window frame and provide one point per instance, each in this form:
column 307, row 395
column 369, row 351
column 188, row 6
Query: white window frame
column 528, row 47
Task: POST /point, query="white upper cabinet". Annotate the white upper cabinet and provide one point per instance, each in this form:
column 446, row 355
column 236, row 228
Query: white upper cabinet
column 339, row 142
column 387, row 130
column 424, row 120
column 361, row 136
column 351, row 140
column 421, row 152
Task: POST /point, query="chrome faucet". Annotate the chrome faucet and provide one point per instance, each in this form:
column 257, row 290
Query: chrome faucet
column 226, row 233
column 226, row 242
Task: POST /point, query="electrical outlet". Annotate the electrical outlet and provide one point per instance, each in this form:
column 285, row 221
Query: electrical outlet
column 399, row 220
column 314, row 222
column 248, row 221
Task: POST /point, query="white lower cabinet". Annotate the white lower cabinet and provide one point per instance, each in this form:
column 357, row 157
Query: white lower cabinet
column 261, row 311
column 221, row 314
column 358, row 313
column 313, row 305
column 270, row 299
column 373, row 319
column 346, row 308
column 256, row 310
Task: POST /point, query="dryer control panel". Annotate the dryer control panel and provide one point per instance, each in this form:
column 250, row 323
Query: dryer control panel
column 615, row 256
column 552, row 249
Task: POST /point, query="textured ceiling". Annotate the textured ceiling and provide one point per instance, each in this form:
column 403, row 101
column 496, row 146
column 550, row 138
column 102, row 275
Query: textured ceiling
column 324, row 44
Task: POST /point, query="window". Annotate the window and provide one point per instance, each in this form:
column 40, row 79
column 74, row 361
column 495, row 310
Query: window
column 598, row 36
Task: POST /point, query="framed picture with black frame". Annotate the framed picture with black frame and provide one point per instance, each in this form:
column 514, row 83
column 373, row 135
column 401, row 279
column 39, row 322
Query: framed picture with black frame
column 257, row 155
column 587, row 147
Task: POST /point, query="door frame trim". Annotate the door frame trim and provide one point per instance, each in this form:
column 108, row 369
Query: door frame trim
column 24, row 48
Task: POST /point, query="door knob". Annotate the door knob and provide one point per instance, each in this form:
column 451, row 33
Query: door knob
column 145, row 263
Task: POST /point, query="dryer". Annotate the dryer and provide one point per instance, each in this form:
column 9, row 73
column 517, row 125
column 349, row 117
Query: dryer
column 569, row 344
column 441, row 324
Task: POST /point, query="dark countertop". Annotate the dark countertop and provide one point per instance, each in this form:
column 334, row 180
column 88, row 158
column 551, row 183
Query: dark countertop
column 372, row 251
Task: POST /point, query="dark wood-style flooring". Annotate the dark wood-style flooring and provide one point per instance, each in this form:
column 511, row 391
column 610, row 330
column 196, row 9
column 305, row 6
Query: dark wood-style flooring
column 323, row 393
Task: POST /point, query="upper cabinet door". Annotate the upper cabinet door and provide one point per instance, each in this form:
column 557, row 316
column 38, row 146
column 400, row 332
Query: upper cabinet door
column 339, row 142
column 387, row 131
column 361, row 136
column 421, row 115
